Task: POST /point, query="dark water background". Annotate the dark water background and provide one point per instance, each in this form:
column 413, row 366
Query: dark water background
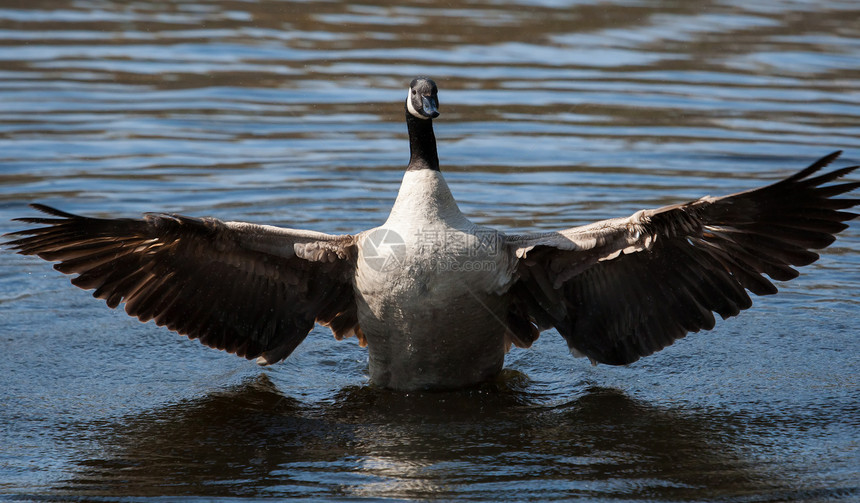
column 554, row 113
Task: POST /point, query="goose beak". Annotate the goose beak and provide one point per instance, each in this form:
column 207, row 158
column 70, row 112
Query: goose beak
column 430, row 107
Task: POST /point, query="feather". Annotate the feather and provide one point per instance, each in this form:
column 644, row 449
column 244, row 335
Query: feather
column 696, row 259
column 225, row 284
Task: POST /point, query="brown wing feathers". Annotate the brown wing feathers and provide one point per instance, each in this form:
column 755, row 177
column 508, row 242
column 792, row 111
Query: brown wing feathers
column 701, row 259
column 769, row 230
column 194, row 277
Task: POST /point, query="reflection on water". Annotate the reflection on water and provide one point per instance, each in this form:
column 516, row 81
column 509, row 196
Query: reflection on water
column 252, row 440
column 554, row 113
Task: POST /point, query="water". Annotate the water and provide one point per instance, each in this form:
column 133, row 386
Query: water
column 554, row 113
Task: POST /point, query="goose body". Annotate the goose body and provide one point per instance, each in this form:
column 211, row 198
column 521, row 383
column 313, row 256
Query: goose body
column 442, row 282
column 437, row 299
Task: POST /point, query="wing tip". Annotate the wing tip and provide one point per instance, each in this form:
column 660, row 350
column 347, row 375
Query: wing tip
column 50, row 210
column 814, row 167
column 826, row 160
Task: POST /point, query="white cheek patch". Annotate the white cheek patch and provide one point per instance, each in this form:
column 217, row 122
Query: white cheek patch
column 412, row 108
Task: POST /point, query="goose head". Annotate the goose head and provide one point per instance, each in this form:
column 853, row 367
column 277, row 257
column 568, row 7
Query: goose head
column 422, row 101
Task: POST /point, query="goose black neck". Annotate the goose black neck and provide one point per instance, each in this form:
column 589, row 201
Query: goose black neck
column 422, row 144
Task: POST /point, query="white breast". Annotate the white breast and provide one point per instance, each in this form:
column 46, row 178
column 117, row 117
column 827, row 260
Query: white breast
column 427, row 239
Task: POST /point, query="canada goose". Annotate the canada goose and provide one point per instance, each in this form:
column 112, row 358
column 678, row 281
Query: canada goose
column 437, row 299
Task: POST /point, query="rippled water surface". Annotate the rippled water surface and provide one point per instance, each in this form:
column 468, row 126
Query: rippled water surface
column 554, row 113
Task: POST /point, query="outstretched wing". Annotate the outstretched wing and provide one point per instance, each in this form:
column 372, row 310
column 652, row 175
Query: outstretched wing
column 624, row 288
column 252, row 290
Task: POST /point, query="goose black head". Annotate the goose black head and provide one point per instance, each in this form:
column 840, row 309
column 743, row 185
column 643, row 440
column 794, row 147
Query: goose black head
column 422, row 101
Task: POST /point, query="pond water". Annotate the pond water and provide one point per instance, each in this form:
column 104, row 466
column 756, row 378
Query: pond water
column 554, row 113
